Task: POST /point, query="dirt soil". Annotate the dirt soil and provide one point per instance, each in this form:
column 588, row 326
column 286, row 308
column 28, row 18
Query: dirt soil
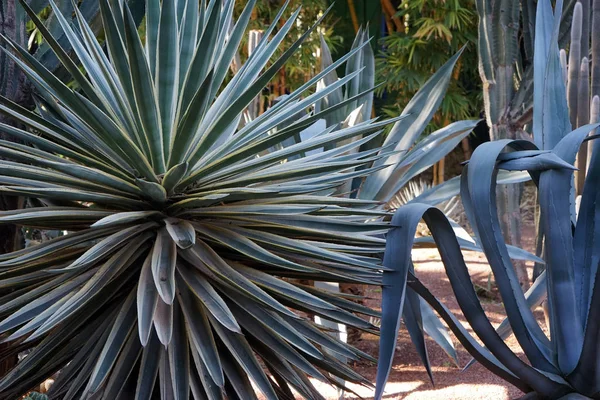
column 409, row 379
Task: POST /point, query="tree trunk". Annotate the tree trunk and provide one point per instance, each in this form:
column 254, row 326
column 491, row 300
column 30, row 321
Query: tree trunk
column 441, row 171
column 466, row 148
column 12, row 86
column 389, row 11
column 498, row 48
column 509, row 206
column 353, row 15
column 355, row 289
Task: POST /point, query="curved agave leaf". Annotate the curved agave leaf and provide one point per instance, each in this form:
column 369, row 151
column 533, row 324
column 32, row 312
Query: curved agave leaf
column 183, row 232
column 398, row 255
column 571, row 348
column 447, row 190
column 555, row 194
column 535, row 295
column 477, row 184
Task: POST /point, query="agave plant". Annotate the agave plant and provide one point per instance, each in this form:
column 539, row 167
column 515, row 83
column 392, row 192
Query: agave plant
column 173, row 274
column 567, row 361
column 563, row 363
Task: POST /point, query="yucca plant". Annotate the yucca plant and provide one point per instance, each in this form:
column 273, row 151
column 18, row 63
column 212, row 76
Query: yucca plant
column 565, row 362
column 172, row 276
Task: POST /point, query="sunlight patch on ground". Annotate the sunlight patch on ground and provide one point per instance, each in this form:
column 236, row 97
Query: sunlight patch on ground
column 410, row 391
column 464, row 391
column 393, row 389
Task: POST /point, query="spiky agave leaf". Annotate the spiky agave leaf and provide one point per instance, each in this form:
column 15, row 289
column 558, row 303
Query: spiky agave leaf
column 174, row 274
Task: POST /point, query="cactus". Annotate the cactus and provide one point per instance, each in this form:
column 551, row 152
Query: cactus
column 585, row 28
column 583, row 118
column 36, row 396
column 574, row 59
column 506, row 111
column 595, row 110
column 581, row 88
column 596, row 49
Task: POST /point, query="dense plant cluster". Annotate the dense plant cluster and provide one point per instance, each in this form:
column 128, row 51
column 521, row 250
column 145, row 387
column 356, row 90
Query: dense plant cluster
column 301, row 66
column 432, row 32
column 190, row 221
column 185, row 224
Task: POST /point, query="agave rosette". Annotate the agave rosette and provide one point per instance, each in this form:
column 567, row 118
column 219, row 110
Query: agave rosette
column 184, row 227
column 558, row 359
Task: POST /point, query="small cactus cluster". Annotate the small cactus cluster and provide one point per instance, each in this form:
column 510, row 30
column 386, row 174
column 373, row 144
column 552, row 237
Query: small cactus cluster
column 583, row 82
column 35, row 396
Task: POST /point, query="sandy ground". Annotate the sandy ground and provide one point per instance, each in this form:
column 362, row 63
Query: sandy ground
column 408, row 379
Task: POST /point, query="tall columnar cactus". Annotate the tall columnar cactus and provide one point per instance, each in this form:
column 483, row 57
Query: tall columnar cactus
column 580, row 90
column 574, row 59
column 506, row 110
column 596, row 49
column 583, row 117
column 595, row 110
column 585, row 27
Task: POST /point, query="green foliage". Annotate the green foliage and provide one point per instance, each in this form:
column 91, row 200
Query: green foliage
column 581, row 77
column 435, row 30
column 301, row 66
